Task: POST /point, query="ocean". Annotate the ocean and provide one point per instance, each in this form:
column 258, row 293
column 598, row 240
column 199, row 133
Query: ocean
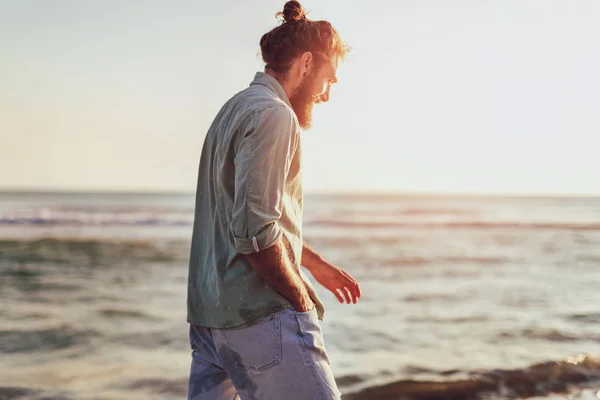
column 464, row 297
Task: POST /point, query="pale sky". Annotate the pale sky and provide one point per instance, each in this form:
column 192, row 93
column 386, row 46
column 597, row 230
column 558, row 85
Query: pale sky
column 446, row 96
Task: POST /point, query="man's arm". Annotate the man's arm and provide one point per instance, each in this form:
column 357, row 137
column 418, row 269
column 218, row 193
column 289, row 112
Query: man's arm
column 311, row 259
column 275, row 267
column 338, row 281
column 262, row 162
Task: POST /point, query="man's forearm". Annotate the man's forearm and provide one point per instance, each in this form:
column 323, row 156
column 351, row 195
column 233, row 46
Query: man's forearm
column 275, row 267
column 310, row 258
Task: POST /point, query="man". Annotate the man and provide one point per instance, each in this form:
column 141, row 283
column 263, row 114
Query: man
column 253, row 313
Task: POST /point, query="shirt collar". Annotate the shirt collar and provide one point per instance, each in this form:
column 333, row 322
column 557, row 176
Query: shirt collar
column 267, row 80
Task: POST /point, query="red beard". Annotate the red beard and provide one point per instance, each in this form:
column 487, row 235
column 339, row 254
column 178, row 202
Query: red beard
column 303, row 101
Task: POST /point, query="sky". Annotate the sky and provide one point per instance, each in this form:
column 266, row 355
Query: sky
column 468, row 96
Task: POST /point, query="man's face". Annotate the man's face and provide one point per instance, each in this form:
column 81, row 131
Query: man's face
column 313, row 89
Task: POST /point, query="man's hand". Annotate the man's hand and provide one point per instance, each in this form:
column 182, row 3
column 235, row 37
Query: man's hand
column 336, row 280
column 275, row 267
column 303, row 304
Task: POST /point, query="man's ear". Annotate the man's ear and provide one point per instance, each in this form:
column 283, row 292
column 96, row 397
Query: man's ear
column 306, row 61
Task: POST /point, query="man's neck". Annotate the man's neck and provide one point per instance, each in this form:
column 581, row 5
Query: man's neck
column 282, row 82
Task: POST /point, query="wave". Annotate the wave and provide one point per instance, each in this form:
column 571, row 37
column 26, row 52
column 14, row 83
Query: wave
column 51, row 339
column 456, row 225
column 54, row 217
column 536, row 380
column 421, row 261
column 91, row 251
column 348, row 219
column 99, row 250
column 592, row 318
column 552, row 335
column 387, row 212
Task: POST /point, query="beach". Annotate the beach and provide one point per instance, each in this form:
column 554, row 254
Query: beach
column 464, row 297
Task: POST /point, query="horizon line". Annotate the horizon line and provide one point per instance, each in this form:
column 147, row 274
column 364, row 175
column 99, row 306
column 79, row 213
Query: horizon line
column 342, row 192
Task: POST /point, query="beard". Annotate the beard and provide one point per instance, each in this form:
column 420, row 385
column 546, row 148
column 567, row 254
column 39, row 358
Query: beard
column 303, row 102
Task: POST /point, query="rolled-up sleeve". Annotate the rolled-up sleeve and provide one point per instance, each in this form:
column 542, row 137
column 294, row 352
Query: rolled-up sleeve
column 262, row 162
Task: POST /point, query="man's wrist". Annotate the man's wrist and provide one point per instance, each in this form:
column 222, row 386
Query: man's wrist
column 311, row 260
column 303, row 303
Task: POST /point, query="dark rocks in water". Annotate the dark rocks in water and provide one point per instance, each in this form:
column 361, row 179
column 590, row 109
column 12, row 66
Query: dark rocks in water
column 423, row 390
column 58, row 397
column 21, row 393
column 347, row 380
column 536, row 380
column 162, row 386
column 9, row 393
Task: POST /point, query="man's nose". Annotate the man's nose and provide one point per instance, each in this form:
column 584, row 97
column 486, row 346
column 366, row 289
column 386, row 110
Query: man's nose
column 325, row 96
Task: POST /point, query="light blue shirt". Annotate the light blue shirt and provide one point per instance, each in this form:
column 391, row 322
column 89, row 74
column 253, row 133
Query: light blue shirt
column 249, row 195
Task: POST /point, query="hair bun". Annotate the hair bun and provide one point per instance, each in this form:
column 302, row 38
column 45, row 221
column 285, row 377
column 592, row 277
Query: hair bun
column 293, row 11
